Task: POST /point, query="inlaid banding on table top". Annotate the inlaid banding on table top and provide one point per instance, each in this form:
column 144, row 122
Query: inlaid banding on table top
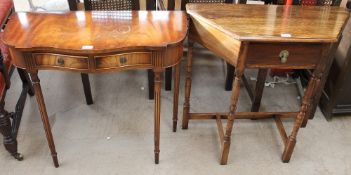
column 272, row 22
column 102, row 31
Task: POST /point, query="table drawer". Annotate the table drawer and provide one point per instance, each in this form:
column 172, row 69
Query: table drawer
column 60, row 61
column 134, row 59
column 284, row 56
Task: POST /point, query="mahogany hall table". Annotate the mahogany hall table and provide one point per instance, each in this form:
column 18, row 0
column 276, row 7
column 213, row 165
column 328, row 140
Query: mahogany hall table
column 98, row 41
column 264, row 37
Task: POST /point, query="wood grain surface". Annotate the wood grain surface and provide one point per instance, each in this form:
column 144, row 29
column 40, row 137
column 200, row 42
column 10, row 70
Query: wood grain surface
column 95, row 31
column 272, row 22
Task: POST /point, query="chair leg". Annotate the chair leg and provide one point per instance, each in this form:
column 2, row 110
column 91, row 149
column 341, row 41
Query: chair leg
column 176, row 96
column 10, row 142
column 168, row 79
column 27, row 87
column 150, row 77
column 261, row 79
column 26, row 80
column 186, row 106
column 87, row 89
column 229, row 77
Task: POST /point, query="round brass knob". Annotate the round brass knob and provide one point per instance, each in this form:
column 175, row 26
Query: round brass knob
column 284, row 54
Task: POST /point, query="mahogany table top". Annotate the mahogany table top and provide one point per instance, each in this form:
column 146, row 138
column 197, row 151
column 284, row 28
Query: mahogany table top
column 95, row 31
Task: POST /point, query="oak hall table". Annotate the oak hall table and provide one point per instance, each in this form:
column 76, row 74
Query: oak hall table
column 98, row 41
column 264, row 37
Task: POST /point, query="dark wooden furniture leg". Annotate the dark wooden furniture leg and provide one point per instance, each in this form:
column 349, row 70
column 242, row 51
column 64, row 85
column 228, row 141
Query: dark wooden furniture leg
column 87, row 89
column 261, row 79
column 229, row 77
column 26, row 88
column 10, row 141
column 26, row 81
column 158, row 81
column 176, row 96
column 44, row 116
column 168, row 79
column 150, row 77
column 186, row 106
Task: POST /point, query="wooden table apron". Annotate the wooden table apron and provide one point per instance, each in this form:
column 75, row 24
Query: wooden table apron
column 152, row 57
column 223, row 30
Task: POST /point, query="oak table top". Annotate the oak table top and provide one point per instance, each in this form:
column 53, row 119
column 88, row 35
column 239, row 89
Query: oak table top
column 272, row 22
column 265, row 37
column 98, row 41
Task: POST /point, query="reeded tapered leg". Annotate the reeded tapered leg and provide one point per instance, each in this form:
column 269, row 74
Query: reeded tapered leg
column 87, row 89
column 232, row 109
column 158, row 82
column 261, row 79
column 176, row 96
column 186, row 106
column 44, row 116
column 10, row 142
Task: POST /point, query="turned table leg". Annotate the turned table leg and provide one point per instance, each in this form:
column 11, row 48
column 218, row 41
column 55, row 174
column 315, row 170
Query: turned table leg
column 306, row 105
column 186, row 106
column 328, row 54
column 232, row 109
column 176, row 96
column 158, row 82
column 313, row 89
column 44, row 116
column 10, row 142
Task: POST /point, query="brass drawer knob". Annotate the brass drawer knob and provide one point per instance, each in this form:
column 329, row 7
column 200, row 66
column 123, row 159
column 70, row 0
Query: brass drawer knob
column 122, row 60
column 284, row 54
column 60, row 61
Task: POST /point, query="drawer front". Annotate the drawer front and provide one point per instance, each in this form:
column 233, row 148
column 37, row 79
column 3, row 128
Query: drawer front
column 283, row 56
column 61, row 61
column 134, row 59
